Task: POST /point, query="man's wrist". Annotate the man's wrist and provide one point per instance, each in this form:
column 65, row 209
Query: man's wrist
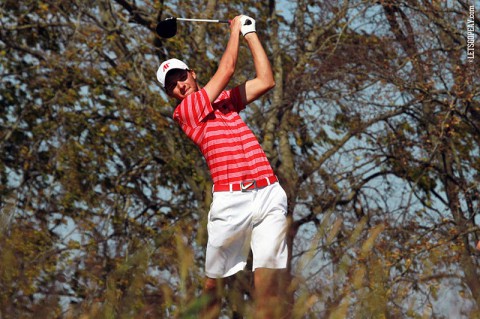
column 250, row 35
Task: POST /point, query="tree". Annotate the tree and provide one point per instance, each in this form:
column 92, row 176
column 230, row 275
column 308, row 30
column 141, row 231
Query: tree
column 372, row 128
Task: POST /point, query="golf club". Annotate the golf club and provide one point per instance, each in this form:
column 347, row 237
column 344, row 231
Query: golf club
column 168, row 27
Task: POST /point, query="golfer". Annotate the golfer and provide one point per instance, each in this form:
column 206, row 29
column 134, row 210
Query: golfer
column 249, row 206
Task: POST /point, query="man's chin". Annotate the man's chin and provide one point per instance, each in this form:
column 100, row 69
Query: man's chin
column 189, row 91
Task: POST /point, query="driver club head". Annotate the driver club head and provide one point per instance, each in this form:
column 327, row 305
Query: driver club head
column 167, row 28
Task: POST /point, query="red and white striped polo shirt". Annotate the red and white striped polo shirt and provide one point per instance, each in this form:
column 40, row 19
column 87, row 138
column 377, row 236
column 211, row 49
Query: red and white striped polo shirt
column 230, row 148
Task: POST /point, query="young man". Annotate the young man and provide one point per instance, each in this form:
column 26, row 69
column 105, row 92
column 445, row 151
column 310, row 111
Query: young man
column 249, row 206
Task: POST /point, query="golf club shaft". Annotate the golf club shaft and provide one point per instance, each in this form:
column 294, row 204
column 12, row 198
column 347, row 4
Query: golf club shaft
column 204, row 20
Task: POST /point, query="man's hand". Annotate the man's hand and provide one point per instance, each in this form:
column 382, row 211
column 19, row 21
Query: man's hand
column 248, row 25
column 235, row 24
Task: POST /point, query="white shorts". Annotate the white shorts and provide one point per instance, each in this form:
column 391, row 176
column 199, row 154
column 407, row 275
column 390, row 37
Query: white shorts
column 238, row 221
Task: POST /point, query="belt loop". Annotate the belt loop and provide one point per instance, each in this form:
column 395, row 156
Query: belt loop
column 268, row 181
column 231, row 188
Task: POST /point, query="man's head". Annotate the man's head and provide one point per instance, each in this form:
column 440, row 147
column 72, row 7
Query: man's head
column 177, row 80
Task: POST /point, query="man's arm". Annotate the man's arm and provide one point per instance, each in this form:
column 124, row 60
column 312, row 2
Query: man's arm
column 264, row 80
column 227, row 64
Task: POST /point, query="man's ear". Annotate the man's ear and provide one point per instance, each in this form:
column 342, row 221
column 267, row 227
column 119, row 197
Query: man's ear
column 194, row 76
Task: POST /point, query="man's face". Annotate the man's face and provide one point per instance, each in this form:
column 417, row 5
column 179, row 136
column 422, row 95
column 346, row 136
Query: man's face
column 180, row 83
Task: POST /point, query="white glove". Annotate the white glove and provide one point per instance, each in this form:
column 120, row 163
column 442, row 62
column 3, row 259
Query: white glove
column 247, row 25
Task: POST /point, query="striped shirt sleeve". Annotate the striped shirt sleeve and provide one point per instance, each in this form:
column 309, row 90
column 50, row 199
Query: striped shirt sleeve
column 236, row 99
column 193, row 109
column 231, row 98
